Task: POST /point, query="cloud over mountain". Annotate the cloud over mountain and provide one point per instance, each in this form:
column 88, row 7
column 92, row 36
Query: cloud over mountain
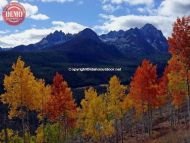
column 33, row 35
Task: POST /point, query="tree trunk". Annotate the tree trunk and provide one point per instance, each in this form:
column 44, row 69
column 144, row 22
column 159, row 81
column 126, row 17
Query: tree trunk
column 43, row 120
column 65, row 128
column 28, row 126
column 43, row 128
column 171, row 116
column 5, row 129
column 188, row 95
column 151, row 120
column 144, row 121
column 122, row 138
column 160, row 110
column 23, row 130
column 117, row 137
column 59, row 134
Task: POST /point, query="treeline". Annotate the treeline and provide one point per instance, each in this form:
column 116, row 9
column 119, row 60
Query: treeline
column 103, row 117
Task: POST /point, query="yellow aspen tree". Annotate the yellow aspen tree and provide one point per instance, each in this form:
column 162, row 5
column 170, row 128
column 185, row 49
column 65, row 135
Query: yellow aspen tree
column 177, row 81
column 93, row 119
column 21, row 89
column 41, row 106
column 114, row 99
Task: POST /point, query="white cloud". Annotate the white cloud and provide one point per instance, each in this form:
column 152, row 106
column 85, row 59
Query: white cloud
column 3, row 3
column 110, row 8
column 32, row 11
column 39, row 17
column 174, row 8
column 131, row 2
column 60, row 1
column 141, row 10
column 113, row 5
column 67, row 27
column 130, row 21
column 140, row 2
column 4, row 31
column 34, row 35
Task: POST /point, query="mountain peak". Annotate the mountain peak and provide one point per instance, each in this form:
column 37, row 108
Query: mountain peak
column 112, row 35
column 88, row 34
column 154, row 37
column 59, row 32
column 148, row 26
column 55, row 34
column 56, row 37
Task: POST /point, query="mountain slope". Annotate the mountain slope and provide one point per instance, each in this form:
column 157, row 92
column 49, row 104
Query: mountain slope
column 50, row 40
column 144, row 41
column 87, row 45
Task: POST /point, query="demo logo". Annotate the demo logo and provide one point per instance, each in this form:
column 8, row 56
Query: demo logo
column 14, row 13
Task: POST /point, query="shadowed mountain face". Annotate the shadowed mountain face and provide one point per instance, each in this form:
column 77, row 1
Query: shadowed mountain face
column 86, row 45
column 155, row 38
column 88, row 34
column 144, row 41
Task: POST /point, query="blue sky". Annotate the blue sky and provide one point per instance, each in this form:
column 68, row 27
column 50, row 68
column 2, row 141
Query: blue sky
column 72, row 16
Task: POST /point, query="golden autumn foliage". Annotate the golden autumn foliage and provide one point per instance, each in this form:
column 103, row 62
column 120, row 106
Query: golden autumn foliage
column 24, row 93
column 176, row 81
column 127, row 104
column 116, row 93
column 93, row 116
column 21, row 90
column 99, row 114
column 12, row 135
column 41, row 102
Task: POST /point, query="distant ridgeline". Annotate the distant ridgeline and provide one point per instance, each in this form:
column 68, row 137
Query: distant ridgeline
column 119, row 49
